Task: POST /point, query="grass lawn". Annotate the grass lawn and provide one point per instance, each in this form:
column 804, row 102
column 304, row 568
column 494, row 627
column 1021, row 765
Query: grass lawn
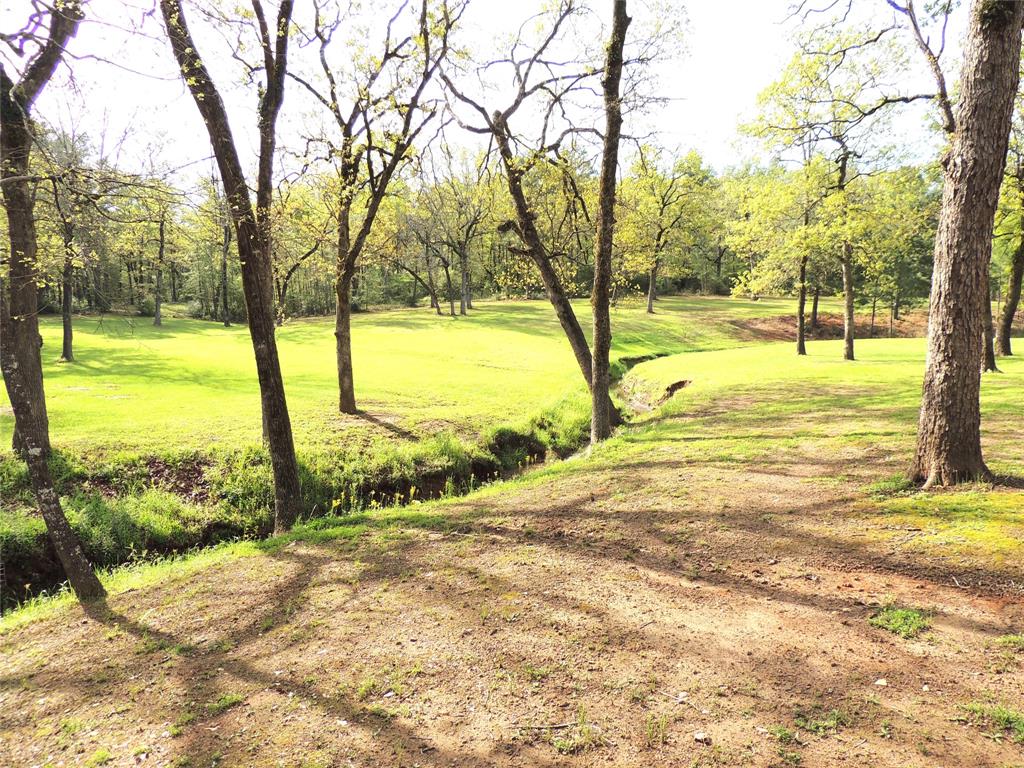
column 192, row 383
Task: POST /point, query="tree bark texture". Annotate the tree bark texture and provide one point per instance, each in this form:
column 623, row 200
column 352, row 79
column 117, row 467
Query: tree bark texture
column 988, row 355
column 158, row 289
column 949, row 428
column 652, row 287
column 344, row 272
column 465, row 300
column 225, row 245
column 67, row 352
column 600, row 415
column 848, row 318
column 252, row 231
column 801, row 345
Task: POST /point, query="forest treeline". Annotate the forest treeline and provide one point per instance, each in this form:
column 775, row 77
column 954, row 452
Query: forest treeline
column 443, row 234
column 134, row 243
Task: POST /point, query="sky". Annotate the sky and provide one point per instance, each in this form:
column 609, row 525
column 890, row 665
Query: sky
column 123, row 91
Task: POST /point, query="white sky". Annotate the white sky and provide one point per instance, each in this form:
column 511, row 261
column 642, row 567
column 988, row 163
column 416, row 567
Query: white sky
column 733, row 50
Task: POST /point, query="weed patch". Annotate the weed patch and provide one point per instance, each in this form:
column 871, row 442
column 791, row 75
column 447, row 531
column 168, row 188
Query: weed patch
column 908, row 623
column 1004, row 718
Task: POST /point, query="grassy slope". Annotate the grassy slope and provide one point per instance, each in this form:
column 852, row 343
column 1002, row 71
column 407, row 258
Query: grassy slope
column 727, row 551
column 189, row 383
column 760, row 406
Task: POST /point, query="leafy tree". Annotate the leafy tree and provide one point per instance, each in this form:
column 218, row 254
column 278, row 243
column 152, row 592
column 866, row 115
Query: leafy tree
column 666, row 208
column 1009, row 238
column 378, row 109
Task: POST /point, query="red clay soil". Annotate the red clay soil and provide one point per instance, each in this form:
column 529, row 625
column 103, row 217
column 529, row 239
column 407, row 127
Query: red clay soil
column 654, row 612
column 830, row 326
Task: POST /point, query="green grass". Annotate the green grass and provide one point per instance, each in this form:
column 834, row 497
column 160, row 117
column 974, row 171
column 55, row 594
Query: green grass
column 1011, row 642
column 1001, row 716
column 224, row 703
column 967, row 522
column 157, row 429
column 905, row 622
column 782, row 734
column 823, row 723
column 97, row 758
column 191, row 383
column 763, row 404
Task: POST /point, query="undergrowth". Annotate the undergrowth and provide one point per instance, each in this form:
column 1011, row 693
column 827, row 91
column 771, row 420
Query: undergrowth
column 127, row 507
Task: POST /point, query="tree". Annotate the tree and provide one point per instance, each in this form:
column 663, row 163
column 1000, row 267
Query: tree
column 835, row 91
column 666, row 203
column 1012, row 202
column 787, row 231
column 20, row 342
column 893, row 226
column 949, row 429
column 302, row 225
column 535, row 75
column 375, row 132
column 600, row 419
column 252, row 227
column 69, row 203
column 458, row 203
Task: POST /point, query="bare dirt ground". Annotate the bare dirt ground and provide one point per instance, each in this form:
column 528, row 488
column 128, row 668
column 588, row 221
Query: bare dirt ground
column 649, row 611
column 830, row 326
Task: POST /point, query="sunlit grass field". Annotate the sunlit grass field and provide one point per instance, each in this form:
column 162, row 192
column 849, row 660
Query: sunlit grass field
column 851, row 423
column 190, row 383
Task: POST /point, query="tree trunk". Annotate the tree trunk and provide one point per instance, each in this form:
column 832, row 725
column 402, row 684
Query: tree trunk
column 252, row 233
column 801, row 332
column 344, row 273
column 158, row 291
column 848, row 318
column 67, row 353
column 20, row 358
column 556, row 294
column 1012, row 298
column 652, row 287
column 450, row 294
column 600, row 418
column 988, row 355
column 131, row 287
column 343, row 346
column 224, row 314
column 465, row 302
column 949, row 429
column 814, row 308
column 280, row 291
column 874, row 308
column 431, row 283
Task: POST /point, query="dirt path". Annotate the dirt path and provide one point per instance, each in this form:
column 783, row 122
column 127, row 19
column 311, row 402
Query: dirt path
column 603, row 617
